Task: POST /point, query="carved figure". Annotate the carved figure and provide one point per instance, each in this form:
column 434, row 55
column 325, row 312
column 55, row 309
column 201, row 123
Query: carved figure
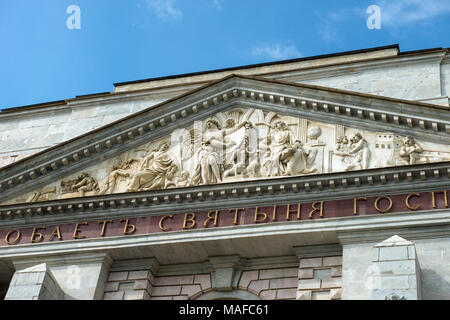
column 117, row 172
column 183, row 180
column 156, row 170
column 280, row 141
column 44, row 195
column 341, row 150
column 359, row 149
column 410, row 151
column 85, row 184
column 298, row 160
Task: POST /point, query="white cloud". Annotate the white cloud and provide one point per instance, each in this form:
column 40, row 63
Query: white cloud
column 165, row 9
column 277, row 52
column 404, row 12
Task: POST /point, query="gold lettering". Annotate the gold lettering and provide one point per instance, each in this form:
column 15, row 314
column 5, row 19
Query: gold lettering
column 128, row 228
column 216, row 215
column 105, row 222
column 315, row 209
column 191, row 219
column 56, row 233
column 256, row 220
column 170, row 216
column 289, row 211
column 77, row 229
column 383, row 210
column 433, row 198
column 274, row 213
column 34, row 234
column 407, row 201
column 355, row 204
column 16, row 239
column 236, row 214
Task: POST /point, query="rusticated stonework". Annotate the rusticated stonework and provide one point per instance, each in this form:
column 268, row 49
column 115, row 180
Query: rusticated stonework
column 242, row 144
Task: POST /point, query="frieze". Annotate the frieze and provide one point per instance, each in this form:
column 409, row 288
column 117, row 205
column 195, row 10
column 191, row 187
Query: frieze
column 229, row 217
column 383, row 114
column 242, row 144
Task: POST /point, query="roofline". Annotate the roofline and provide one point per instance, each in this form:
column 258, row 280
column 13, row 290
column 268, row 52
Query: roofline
column 88, row 96
column 183, row 75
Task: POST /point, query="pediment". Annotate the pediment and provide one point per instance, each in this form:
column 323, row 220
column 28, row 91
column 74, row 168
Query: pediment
column 236, row 129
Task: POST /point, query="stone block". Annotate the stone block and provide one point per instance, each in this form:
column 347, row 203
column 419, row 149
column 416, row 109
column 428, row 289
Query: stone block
column 161, row 298
column 304, row 295
column 331, row 283
column 336, row 272
column 412, row 280
column 322, row 273
column 138, row 275
column 246, row 278
column 311, row 263
column 393, row 253
column 114, row 295
column 118, row 276
column 27, row 291
column 142, row 285
column 166, row 291
column 278, row 273
column 335, row 294
column 112, row 286
column 332, row 261
column 190, row 289
column 320, row 295
column 411, row 252
column 204, row 280
column 398, row 267
column 180, row 298
column 392, row 282
column 258, row 285
column 268, row 294
column 309, row 284
column 305, row 273
column 375, row 254
column 283, row 283
column 136, row 295
column 284, row 294
column 173, row 280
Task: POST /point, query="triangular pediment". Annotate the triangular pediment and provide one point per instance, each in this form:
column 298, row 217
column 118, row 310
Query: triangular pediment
column 236, row 129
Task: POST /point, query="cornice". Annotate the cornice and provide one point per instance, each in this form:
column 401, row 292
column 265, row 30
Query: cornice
column 332, row 186
column 425, row 121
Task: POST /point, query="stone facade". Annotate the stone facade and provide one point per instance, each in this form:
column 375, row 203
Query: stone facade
column 351, row 149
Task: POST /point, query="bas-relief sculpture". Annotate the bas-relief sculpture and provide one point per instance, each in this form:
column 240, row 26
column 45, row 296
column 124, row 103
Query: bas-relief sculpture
column 243, row 144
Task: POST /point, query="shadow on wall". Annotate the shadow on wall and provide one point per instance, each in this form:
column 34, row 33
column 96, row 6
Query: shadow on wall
column 434, row 286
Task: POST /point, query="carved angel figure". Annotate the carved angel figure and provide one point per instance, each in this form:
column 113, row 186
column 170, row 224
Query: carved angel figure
column 156, row 170
column 212, row 151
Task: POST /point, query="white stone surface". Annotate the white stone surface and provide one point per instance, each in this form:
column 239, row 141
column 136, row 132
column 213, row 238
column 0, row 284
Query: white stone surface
column 393, row 270
column 35, row 283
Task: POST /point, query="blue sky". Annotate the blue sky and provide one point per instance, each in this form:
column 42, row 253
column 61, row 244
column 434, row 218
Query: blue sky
column 123, row 40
